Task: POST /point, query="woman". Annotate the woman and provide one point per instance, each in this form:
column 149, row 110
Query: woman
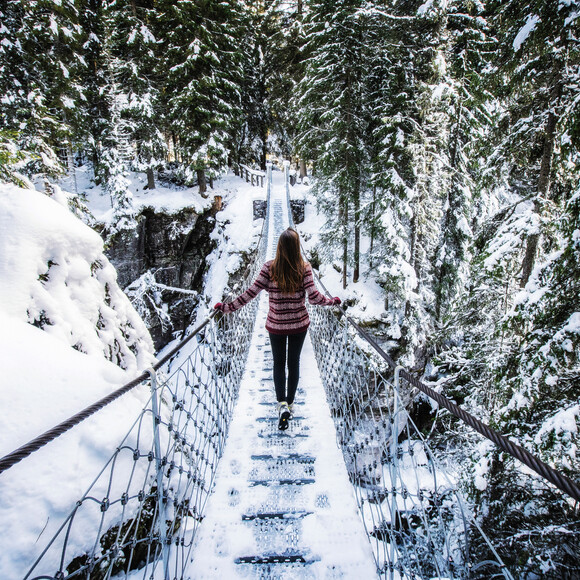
column 287, row 279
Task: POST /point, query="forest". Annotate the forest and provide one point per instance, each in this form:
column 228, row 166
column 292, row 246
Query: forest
column 441, row 139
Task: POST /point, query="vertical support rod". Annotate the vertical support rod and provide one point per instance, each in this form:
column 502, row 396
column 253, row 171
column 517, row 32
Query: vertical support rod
column 219, row 389
column 162, row 519
column 287, row 183
column 394, row 466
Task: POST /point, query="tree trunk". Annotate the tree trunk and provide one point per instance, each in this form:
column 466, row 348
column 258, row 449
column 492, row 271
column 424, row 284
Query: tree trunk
column 372, row 228
column 440, row 271
column 264, row 157
column 343, row 220
column 174, row 140
column 543, row 192
column 150, row 178
column 303, row 171
column 201, row 182
column 356, row 201
column 413, row 252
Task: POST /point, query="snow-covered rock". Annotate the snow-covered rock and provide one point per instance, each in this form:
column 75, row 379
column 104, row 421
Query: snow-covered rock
column 54, row 275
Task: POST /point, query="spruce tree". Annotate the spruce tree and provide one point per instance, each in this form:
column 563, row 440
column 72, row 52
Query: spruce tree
column 331, row 126
column 408, row 125
column 535, row 71
column 467, row 51
column 202, row 90
column 262, row 72
column 134, row 49
column 42, row 100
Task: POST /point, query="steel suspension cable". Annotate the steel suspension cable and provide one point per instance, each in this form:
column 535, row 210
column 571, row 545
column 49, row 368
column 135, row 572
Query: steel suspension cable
column 35, row 444
column 556, row 478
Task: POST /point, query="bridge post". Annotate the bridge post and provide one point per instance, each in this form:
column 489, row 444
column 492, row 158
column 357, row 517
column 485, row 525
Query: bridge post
column 268, row 178
column 394, row 462
column 161, row 517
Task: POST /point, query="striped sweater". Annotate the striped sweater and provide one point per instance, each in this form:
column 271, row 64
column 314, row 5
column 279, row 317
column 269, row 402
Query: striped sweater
column 287, row 313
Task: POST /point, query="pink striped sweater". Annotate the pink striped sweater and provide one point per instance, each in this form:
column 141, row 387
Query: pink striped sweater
column 287, row 313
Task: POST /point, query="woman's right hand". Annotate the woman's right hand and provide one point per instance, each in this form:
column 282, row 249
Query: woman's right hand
column 219, row 306
column 336, row 301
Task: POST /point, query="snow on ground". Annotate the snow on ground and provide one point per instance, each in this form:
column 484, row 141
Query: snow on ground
column 43, row 383
column 53, row 271
column 167, row 198
column 44, row 380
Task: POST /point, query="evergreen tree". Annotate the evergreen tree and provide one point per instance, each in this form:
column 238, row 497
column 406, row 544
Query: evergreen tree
column 408, row 126
column 391, row 117
column 331, row 126
column 261, row 72
column 199, row 41
column 536, row 403
column 134, row 49
column 512, row 355
column 535, row 71
column 40, row 64
column 466, row 52
column 95, row 80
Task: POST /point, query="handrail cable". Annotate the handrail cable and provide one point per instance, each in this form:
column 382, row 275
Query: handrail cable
column 561, row 481
column 35, row 444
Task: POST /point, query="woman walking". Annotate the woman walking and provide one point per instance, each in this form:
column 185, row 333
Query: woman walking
column 287, row 279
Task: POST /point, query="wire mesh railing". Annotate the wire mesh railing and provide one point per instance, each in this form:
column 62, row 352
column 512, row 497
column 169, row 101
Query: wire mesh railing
column 415, row 517
column 139, row 516
column 142, row 510
column 417, row 521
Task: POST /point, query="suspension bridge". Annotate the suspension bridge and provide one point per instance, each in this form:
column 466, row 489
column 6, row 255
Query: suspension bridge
column 204, row 485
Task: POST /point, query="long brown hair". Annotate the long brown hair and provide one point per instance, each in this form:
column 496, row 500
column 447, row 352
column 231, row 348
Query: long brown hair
column 287, row 268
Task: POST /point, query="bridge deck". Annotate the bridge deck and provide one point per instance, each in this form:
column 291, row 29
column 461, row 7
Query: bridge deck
column 283, row 506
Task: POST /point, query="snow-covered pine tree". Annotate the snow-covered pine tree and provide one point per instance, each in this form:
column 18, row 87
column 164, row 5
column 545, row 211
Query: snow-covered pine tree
column 408, row 124
column 391, row 116
column 331, row 123
column 534, row 73
column 513, row 357
column 260, row 56
column 114, row 146
column 466, row 53
column 538, row 405
column 535, row 379
column 200, row 47
column 94, row 80
column 272, row 66
column 135, row 51
column 42, row 99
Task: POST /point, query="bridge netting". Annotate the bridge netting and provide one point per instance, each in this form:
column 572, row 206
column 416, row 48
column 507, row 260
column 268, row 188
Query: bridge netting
column 417, row 521
column 140, row 515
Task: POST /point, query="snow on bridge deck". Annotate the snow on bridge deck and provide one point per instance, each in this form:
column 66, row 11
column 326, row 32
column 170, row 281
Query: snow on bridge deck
column 283, row 506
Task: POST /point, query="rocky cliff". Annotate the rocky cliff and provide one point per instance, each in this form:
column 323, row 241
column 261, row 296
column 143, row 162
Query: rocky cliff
column 161, row 264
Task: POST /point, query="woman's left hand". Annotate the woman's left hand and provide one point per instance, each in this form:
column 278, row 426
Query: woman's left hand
column 336, row 301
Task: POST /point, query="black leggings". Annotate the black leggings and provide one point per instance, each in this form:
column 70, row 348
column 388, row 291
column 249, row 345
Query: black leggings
column 278, row 342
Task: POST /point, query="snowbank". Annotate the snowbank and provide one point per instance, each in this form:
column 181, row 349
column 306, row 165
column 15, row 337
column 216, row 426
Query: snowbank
column 54, row 275
column 63, row 319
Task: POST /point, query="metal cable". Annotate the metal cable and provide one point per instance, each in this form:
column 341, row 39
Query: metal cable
column 561, row 481
column 35, row 444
